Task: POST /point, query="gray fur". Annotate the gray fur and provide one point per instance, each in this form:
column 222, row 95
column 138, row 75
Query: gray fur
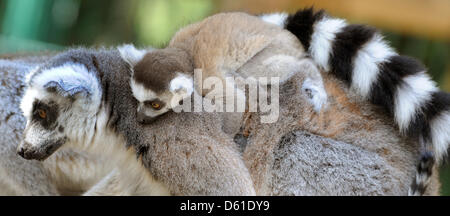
column 188, row 160
column 367, row 161
column 16, row 172
column 330, row 173
column 368, row 158
column 23, row 177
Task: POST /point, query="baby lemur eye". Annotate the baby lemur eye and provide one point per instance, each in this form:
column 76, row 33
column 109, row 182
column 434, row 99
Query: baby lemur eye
column 155, row 104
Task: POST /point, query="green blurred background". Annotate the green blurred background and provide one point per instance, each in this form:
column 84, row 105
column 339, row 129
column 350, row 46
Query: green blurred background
column 419, row 28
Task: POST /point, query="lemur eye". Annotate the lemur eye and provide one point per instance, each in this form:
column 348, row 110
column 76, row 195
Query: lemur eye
column 42, row 113
column 156, row 105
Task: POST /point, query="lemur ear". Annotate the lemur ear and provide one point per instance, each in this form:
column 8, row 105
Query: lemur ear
column 181, row 87
column 130, row 54
column 67, row 88
column 278, row 19
column 69, row 80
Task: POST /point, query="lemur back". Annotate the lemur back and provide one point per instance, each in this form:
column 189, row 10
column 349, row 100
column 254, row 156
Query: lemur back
column 223, row 43
column 358, row 55
column 347, row 118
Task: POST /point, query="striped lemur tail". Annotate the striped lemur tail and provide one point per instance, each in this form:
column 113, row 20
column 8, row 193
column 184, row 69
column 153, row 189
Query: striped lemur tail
column 358, row 55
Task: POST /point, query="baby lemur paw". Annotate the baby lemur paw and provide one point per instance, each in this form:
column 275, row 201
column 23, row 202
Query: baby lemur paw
column 315, row 94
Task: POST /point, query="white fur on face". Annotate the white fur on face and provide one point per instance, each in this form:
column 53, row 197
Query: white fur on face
column 67, row 73
column 36, row 135
column 26, row 104
column 181, row 87
column 275, row 18
column 141, row 93
column 322, row 39
column 366, row 64
column 410, row 97
column 73, row 74
column 78, row 121
column 130, row 54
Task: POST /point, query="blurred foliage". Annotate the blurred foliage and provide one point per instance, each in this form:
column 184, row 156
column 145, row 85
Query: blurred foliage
column 158, row 20
column 55, row 24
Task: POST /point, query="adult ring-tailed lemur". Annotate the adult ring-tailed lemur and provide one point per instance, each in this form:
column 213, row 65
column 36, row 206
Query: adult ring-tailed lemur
column 176, row 156
column 298, row 152
column 78, row 87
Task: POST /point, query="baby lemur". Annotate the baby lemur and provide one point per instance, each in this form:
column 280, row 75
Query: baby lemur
column 225, row 44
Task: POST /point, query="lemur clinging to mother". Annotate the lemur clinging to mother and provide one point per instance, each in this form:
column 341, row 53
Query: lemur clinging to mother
column 358, row 55
column 75, row 66
column 222, row 45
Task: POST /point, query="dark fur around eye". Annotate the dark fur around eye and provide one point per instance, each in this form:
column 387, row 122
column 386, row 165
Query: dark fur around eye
column 150, row 104
column 51, row 110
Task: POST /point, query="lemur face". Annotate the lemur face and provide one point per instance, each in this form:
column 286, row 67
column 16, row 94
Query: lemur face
column 44, row 133
column 57, row 104
column 159, row 82
column 153, row 104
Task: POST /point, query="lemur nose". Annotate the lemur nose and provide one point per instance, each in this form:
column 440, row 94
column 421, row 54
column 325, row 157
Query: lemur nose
column 21, row 152
column 22, row 148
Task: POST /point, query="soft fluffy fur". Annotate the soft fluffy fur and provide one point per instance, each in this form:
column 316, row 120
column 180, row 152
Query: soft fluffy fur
column 67, row 172
column 284, row 160
column 99, row 116
column 222, row 45
column 359, row 56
